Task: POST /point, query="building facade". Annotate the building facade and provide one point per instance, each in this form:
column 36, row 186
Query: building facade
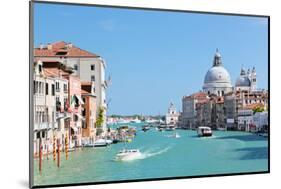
column 89, row 113
column 172, row 115
column 44, row 108
column 86, row 65
column 189, row 113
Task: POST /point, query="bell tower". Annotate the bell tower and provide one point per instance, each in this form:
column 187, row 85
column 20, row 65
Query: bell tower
column 253, row 79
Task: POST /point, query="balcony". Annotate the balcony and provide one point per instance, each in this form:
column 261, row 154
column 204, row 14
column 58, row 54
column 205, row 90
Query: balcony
column 62, row 115
column 45, row 126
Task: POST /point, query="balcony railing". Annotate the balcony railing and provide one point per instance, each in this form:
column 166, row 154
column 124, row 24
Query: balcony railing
column 45, row 125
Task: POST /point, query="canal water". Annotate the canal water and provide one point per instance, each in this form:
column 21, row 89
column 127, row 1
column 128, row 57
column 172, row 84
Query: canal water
column 162, row 156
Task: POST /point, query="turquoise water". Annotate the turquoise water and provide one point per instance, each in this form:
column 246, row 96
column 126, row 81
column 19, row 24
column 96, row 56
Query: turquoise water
column 162, row 156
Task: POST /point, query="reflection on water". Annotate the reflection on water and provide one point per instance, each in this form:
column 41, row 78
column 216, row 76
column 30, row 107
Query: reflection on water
column 161, row 156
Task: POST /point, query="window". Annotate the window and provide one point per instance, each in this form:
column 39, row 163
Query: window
column 61, row 53
column 65, row 87
column 92, row 67
column 47, row 88
column 57, row 86
column 39, row 87
column 40, row 68
column 38, row 135
column 53, row 89
column 75, row 118
column 65, row 103
column 34, row 87
column 75, row 67
column 93, row 78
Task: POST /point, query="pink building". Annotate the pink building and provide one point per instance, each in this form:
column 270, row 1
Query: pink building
column 75, row 103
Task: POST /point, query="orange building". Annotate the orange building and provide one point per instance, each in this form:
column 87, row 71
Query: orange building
column 89, row 112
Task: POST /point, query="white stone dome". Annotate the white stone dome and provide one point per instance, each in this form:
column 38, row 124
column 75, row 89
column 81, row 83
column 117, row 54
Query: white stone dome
column 243, row 80
column 217, row 79
column 217, row 76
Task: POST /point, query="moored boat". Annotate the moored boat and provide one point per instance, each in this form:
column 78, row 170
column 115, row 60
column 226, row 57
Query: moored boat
column 100, row 143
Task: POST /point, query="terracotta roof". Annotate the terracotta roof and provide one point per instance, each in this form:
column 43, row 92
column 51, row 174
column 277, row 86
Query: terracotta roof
column 62, row 49
column 54, row 72
column 198, row 95
column 252, row 106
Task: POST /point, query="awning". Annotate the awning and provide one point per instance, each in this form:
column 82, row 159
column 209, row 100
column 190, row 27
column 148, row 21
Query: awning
column 79, row 99
column 80, row 116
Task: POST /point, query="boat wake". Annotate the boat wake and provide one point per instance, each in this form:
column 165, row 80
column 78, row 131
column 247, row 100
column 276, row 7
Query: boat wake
column 148, row 154
column 144, row 155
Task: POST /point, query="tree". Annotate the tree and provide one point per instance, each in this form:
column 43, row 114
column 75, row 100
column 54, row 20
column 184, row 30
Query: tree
column 100, row 118
column 258, row 109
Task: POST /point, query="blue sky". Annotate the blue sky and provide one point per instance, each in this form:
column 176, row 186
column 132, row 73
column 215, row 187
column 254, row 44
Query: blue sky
column 155, row 57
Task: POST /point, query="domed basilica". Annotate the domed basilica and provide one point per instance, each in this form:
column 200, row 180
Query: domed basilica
column 218, row 82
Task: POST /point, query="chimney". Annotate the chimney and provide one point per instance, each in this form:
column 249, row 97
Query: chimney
column 69, row 45
column 49, row 46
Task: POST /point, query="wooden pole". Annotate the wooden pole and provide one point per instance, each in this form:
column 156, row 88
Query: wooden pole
column 66, row 147
column 40, row 156
column 58, row 159
column 54, row 149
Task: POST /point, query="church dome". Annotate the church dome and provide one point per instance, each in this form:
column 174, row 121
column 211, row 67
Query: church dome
column 217, row 76
column 243, row 80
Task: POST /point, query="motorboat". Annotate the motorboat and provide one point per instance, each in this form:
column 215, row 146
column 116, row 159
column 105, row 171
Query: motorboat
column 100, row 143
column 145, row 128
column 108, row 141
column 170, row 128
column 128, row 154
column 203, row 131
column 136, row 121
column 114, row 141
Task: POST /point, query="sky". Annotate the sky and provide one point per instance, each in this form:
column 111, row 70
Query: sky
column 156, row 57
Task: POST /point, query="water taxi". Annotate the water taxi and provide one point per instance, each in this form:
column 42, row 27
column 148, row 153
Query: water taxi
column 203, row 131
column 128, row 154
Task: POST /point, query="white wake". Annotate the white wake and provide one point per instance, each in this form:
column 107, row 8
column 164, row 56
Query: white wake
column 145, row 154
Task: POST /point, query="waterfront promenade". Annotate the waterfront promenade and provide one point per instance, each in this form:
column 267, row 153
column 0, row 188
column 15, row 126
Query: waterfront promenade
column 189, row 155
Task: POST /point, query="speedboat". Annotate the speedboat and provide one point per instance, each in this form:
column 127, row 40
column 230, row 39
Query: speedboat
column 128, row 154
column 203, row 131
column 100, row 143
column 145, row 128
column 170, row 128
